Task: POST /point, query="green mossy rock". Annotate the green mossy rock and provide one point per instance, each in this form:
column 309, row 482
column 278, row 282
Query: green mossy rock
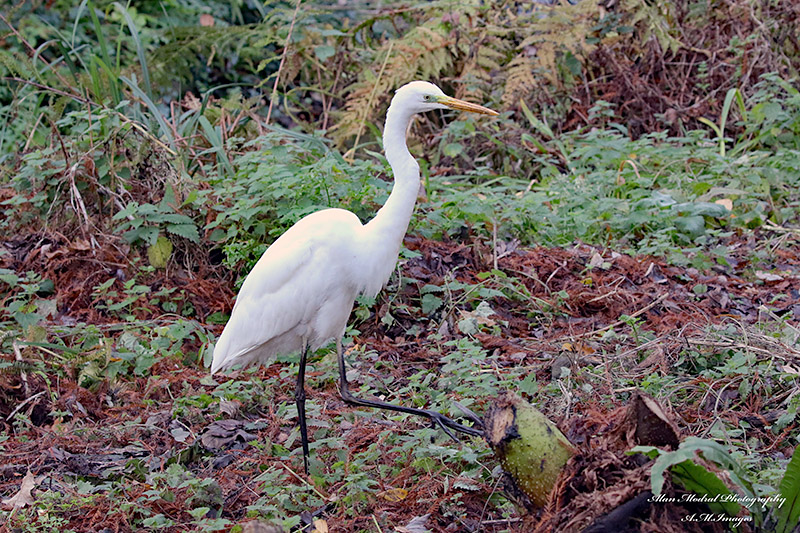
column 530, row 447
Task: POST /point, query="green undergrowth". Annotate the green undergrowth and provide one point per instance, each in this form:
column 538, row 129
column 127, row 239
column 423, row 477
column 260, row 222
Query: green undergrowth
column 134, row 139
column 648, row 196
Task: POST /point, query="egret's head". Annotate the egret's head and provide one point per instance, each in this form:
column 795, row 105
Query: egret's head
column 421, row 96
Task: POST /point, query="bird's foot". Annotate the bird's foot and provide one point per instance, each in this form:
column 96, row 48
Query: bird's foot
column 471, row 416
column 448, row 423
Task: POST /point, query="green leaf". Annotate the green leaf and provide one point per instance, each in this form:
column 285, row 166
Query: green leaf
column 218, row 317
column 159, row 253
column 139, row 48
column 529, row 384
column 701, row 208
column 698, row 479
column 214, row 137
column 188, row 231
column 199, row 513
column 162, row 123
column 693, row 225
column 430, row 303
column 148, row 234
column 788, row 514
column 8, row 276
column 540, row 126
column 323, row 52
column 452, row 149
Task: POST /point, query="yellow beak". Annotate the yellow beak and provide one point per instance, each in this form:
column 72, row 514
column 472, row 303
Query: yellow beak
column 461, row 105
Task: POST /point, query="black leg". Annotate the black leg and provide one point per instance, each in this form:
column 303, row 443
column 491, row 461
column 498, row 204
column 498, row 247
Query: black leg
column 437, row 418
column 300, row 401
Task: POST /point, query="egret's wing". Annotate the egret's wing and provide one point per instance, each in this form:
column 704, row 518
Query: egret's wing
column 284, row 290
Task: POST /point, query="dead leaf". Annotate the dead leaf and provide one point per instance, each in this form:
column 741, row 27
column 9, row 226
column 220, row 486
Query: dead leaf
column 394, row 495
column 417, row 525
column 596, row 260
column 727, row 203
column 230, row 407
column 257, row 526
column 222, row 433
column 320, row 526
column 80, row 245
column 767, row 276
column 648, row 424
column 23, row 497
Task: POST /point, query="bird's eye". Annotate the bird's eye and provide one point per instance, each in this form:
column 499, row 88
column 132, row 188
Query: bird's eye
column 427, row 97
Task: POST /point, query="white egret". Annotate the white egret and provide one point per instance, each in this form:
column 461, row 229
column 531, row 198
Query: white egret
column 301, row 292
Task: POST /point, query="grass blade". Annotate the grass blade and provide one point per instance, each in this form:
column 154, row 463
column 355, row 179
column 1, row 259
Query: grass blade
column 139, row 48
column 78, row 15
column 101, row 40
column 213, row 136
column 165, row 129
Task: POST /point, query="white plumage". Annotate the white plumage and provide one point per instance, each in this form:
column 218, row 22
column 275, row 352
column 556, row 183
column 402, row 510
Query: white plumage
column 301, row 292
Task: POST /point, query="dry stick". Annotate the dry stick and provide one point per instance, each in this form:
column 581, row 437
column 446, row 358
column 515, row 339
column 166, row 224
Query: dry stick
column 494, row 243
column 78, row 205
column 780, row 229
column 23, row 404
column 501, row 521
column 33, row 132
column 283, row 58
column 306, row 483
column 333, row 92
column 75, row 97
column 741, row 346
column 22, row 374
column 645, row 346
column 369, row 102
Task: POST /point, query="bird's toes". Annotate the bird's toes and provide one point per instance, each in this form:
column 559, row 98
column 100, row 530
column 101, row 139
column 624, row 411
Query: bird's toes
column 470, row 415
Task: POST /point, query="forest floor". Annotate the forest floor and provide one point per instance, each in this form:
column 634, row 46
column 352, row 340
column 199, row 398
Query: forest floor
column 582, row 328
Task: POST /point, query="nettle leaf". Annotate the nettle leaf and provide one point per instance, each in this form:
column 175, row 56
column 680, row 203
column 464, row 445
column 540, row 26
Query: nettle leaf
column 691, row 225
column 172, row 218
column 188, row 231
column 9, row 277
column 130, row 210
column 324, row 52
column 702, row 209
column 430, row 303
column 148, row 234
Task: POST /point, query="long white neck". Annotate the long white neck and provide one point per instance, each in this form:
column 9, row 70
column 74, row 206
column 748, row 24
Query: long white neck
column 384, row 233
column 392, row 219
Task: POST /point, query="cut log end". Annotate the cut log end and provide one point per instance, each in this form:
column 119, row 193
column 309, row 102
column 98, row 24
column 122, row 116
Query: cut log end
column 530, row 447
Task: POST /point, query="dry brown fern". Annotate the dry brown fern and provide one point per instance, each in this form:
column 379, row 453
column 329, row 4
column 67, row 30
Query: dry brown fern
column 423, row 53
column 507, row 46
column 552, row 33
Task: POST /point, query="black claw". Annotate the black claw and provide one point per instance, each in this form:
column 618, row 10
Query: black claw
column 470, row 415
column 443, row 423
